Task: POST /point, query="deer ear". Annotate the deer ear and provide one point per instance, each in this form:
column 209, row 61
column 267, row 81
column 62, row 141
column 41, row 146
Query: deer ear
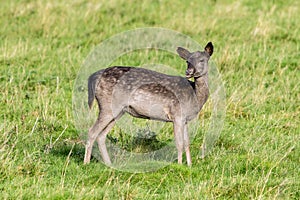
column 183, row 53
column 209, row 48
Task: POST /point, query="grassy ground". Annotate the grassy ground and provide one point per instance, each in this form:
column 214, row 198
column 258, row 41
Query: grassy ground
column 42, row 46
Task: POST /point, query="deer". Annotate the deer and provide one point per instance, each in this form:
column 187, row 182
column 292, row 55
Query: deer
column 148, row 94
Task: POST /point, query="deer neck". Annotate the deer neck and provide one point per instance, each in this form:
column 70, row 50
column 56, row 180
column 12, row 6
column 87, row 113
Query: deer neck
column 201, row 89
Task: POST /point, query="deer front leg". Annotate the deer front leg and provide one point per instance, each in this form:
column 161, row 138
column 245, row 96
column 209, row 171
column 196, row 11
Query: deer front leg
column 187, row 145
column 178, row 132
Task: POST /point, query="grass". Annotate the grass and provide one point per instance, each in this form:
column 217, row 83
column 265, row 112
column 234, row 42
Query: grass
column 44, row 43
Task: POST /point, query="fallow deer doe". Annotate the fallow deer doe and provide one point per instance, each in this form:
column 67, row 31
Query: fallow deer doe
column 151, row 95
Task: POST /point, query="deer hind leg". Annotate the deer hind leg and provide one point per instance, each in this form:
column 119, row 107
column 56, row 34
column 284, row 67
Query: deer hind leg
column 103, row 122
column 178, row 132
column 186, row 142
column 101, row 143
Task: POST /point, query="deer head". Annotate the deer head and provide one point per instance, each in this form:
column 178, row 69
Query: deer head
column 197, row 62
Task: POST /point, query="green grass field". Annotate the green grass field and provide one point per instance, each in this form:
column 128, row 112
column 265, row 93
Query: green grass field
column 43, row 45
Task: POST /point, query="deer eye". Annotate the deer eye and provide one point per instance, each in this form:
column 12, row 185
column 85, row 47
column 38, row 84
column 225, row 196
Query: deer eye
column 202, row 60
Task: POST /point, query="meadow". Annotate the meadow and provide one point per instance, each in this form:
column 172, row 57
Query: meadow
column 43, row 45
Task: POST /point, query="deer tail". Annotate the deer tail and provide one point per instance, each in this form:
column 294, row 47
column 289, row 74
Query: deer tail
column 92, row 81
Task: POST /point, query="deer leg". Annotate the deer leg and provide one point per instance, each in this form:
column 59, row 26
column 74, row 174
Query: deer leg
column 101, row 143
column 101, row 123
column 178, row 132
column 187, row 145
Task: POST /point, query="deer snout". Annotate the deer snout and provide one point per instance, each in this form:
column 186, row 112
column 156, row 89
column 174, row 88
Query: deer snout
column 189, row 72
